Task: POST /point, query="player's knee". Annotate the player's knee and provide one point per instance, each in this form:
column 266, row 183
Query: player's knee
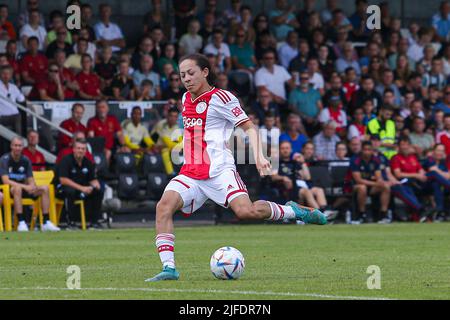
column 163, row 209
column 361, row 189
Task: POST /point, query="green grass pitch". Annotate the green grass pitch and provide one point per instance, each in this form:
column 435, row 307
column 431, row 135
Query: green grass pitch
column 282, row 262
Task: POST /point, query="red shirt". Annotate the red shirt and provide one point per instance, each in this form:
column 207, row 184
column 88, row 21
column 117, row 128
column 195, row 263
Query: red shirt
column 9, row 28
column 14, row 64
column 70, row 125
column 406, row 164
column 36, row 157
column 67, row 75
column 89, row 83
column 50, row 87
column 349, row 89
column 106, row 129
column 35, row 66
column 69, row 150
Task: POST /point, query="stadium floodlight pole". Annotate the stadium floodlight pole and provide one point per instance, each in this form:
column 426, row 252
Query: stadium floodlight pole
column 35, row 115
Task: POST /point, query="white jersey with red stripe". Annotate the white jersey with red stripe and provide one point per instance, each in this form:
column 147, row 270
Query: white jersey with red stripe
column 208, row 122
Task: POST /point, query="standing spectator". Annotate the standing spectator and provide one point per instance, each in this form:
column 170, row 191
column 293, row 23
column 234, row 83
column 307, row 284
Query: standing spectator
column 7, row 31
column 16, row 171
column 184, row 12
column 88, row 81
column 441, row 21
column 264, row 104
column 73, row 124
column 145, row 73
column 289, row 49
column 220, row 49
column 106, row 67
column 368, row 181
column 422, row 142
column 306, row 101
column 283, row 19
column 122, row 85
column 33, row 29
column 36, row 158
column 9, row 114
column 107, row 32
column 273, row 77
column 294, row 134
column 59, row 43
column 106, row 125
column 78, row 180
column 33, row 64
column 325, row 141
column 191, row 42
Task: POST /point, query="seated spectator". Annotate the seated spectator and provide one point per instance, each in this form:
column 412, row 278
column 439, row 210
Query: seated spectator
column 135, row 134
column 88, row 81
column 33, row 29
column 155, row 17
column 351, row 84
column 77, row 135
column 168, row 56
column 7, row 31
column 347, row 60
column 326, row 62
column 367, row 91
column 368, row 181
column 435, row 123
column 273, row 77
column 91, row 47
column 33, row 64
column 220, row 49
column 49, row 88
column 340, row 156
column 175, row 89
column 184, row 12
column 57, row 24
column 78, row 180
column 299, row 62
column 86, row 18
column 387, row 81
column 423, row 66
column 73, row 61
column 72, row 125
column 165, row 75
column 336, row 89
column 11, row 55
column 282, row 19
column 264, row 41
column 288, row 50
column 354, row 147
column 146, row 47
column 208, row 26
column 69, row 82
column 384, row 127
column 433, row 99
column 414, row 85
column 145, row 73
column 294, row 134
column 438, row 178
column 222, row 81
column 388, row 98
column 308, row 153
column 435, row 76
column 270, row 133
column 122, row 86
column 443, row 137
column 146, row 91
column 405, row 165
column 242, row 53
column 191, row 42
column 357, row 129
column 306, row 101
column 264, row 104
column 293, row 179
column 36, row 158
column 163, row 135
column 402, row 71
column 416, row 49
column 441, row 21
column 16, row 171
column 107, row 32
column 325, row 141
column 334, row 112
column 9, row 114
column 25, row 14
column 60, row 43
column 106, row 125
column 106, row 67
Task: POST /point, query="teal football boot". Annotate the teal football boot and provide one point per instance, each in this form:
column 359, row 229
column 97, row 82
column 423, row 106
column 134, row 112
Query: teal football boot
column 167, row 274
column 307, row 215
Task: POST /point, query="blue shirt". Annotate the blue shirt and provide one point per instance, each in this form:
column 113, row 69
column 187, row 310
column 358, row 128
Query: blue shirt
column 367, row 169
column 280, row 31
column 441, row 25
column 430, row 162
column 384, row 163
column 305, row 102
column 296, row 144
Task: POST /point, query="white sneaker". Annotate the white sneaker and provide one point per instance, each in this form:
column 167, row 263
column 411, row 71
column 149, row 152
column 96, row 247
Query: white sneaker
column 22, row 227
column 355, row 222
column 49, row 226
column 331, row 214
column 385, row 221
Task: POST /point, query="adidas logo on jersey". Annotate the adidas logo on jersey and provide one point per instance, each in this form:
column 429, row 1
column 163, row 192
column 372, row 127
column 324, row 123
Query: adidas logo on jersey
column 192, row 122
column 229, row 187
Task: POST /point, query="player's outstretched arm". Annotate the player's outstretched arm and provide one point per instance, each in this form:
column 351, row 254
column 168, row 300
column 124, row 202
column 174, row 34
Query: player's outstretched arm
column 262, row 164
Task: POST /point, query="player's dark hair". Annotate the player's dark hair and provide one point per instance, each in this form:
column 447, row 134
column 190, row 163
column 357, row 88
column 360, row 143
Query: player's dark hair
column 32, row 38
column 404, row 139
column 366, row 144
column 174, row 109
column 203, row 63
column 75, row 105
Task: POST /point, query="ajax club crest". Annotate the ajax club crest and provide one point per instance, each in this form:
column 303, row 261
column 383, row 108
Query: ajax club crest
column 201, row 107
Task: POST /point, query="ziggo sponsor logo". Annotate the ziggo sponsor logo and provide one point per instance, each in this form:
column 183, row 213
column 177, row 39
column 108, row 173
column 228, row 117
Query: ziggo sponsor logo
column 192, row 122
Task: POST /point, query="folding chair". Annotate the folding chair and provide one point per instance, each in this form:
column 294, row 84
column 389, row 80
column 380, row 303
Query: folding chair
column 45, row 178
column 59, row 204
column 1, row 221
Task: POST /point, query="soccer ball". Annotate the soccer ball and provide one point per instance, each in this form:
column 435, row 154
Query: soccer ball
column 227, row 263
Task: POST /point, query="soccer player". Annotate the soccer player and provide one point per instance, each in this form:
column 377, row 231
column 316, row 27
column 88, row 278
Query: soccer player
column 209, row 172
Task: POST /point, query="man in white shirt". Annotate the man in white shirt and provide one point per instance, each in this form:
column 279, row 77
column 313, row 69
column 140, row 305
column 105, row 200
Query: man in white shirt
column 33, row 28
column 273, row 78
column 219, row 49
column 9, row 114
column 415, row 51
column 191, row 42
column 108, row 33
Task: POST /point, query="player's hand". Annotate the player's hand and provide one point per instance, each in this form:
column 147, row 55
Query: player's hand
column 264, row 167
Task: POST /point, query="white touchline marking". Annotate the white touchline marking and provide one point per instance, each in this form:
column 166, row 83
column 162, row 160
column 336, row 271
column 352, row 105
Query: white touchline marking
column 263, row 293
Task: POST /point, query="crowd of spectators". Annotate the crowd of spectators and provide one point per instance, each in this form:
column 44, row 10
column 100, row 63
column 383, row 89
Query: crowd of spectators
column 377, row 100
